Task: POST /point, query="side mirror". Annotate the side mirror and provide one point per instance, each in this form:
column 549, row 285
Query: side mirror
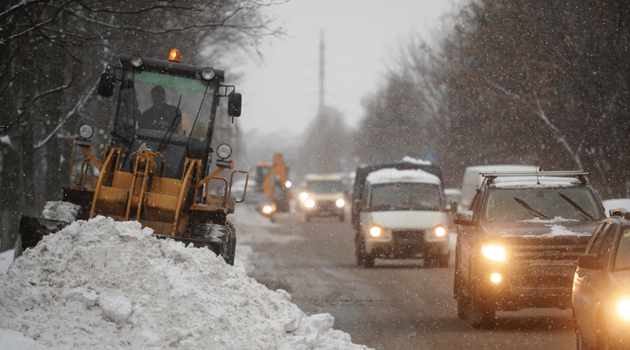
column 589, row 261
column 463, row 218
column 454, row 207
column 234, row 104
column 106, row 84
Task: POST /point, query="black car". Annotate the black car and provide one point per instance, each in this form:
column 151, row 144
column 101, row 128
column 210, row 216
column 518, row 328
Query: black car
column 601, row 288
column 518, row 244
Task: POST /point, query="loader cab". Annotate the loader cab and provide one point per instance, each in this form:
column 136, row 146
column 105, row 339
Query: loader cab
column 167, row 107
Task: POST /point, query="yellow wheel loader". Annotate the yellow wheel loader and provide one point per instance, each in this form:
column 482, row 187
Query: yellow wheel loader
column 158, row 167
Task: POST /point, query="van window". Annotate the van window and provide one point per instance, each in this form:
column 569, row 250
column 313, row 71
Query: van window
column 324, row 186
column 406, row 196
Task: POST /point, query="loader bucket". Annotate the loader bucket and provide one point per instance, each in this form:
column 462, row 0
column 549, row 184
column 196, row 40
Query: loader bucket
column 32, row 230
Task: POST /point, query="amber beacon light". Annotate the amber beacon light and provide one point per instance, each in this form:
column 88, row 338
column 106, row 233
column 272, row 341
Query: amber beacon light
column 174, row 56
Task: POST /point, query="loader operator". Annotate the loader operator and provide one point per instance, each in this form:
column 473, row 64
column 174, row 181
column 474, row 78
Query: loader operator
column 161, row 115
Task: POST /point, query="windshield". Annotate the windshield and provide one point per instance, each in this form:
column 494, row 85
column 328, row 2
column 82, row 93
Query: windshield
column 405, row 196
column 509, row 205
column 622, row 261
column 169, row 114
column 324, row 186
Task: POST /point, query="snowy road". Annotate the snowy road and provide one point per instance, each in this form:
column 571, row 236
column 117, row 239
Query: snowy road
column 397, row 305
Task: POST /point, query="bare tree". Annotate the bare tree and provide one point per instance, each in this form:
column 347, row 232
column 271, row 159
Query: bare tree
column 52, row 52
column 539, row 82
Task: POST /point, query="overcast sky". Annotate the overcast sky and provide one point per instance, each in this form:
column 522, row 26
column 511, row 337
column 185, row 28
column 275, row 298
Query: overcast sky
column 361, row 37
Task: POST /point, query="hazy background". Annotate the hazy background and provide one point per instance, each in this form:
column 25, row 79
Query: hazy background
column 361, row 38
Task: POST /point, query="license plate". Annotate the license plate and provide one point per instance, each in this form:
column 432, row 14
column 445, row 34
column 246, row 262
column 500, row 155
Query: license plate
column 552, row 270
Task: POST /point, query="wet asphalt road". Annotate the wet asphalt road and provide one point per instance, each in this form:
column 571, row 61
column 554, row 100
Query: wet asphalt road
column 399, row 304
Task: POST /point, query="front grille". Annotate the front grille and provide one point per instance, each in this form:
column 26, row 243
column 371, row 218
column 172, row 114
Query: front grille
column 546, row 252
column 408, row 235
column 543, row 281
column 326, row 205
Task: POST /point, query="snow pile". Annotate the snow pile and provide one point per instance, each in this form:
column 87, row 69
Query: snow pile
column 6, row 258
column 63, row 211
column 102, row 284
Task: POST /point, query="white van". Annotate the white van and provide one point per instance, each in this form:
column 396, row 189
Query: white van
column 472, row 178
column 403, row 216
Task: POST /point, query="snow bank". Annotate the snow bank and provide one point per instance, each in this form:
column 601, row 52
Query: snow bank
column 103, row 284
column 6, row 258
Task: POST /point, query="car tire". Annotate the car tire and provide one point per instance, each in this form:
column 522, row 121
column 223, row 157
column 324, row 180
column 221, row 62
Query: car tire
column 482, row 311
column 463, row 307
column 307, row 218
column 482, row 314
column 364, row 259
column 443, row 260
column 342, row 218
column 603, row 343
column 580, row 343
column 463, row 301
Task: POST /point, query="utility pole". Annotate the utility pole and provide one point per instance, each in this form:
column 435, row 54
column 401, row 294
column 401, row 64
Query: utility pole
column 321, row 73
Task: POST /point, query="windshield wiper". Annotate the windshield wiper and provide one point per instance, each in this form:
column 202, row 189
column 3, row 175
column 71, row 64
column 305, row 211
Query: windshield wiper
column 169, row 131
column 530, row 209
column 576, row 206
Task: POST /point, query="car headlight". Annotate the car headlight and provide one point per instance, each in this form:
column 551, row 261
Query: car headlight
column 267, row 209
column 494, row 252
column 623, row 308
column 224, row 151
column 309, row 203
column 288, row 184
column 439, row 231
column 340, row 203
column 303, row 196
column 375, row 231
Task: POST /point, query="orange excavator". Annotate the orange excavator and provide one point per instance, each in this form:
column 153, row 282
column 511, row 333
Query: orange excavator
column 156, row 169
column 272, row 179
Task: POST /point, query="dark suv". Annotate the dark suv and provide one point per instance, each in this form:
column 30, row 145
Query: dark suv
column 518, row 244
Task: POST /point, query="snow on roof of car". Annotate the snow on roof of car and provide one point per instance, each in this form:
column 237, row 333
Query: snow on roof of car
column 415, row 161
column 617, row 203
column 453, row 191
column 535, row 181
column 394, row 175
column 322, row 177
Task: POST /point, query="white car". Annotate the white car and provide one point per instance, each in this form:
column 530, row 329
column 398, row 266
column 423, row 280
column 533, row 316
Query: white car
column 403, row 216
column 323, row 196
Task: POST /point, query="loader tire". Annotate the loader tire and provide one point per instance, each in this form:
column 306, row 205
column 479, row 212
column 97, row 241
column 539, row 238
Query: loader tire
column 221, row 239
column 17, row 251
column 231, row 251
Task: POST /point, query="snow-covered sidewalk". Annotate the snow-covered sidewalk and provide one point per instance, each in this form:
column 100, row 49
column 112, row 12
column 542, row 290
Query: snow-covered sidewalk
column 103, row 284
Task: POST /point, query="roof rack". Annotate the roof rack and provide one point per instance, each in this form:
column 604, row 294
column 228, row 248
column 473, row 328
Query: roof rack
column 580, row 175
